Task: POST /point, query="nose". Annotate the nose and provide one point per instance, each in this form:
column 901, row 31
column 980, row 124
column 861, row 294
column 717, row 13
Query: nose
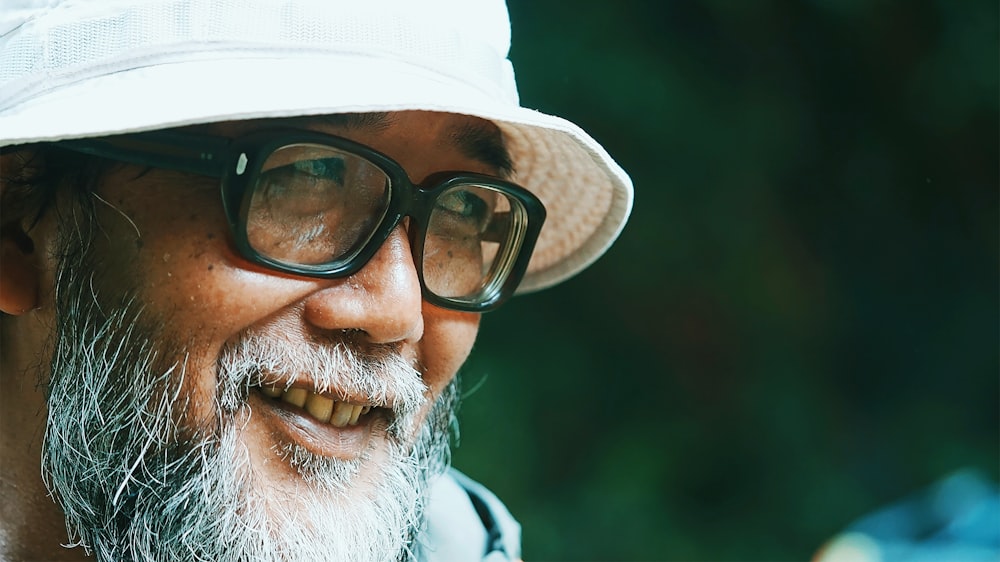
column 382, row 300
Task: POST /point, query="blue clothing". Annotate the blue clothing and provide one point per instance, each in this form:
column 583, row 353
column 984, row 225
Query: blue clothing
column 466, row 522
column 956, row 519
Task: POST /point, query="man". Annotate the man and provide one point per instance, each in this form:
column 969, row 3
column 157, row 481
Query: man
column 246, row 247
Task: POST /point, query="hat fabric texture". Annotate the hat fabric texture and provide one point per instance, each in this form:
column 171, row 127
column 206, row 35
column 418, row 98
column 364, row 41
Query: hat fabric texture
column 88, row 68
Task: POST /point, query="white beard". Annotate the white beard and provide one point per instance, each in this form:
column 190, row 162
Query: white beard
column 132, row 489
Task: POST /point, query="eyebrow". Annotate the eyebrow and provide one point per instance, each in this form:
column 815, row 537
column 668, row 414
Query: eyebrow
column 373, row 121
column 484, row 142
column 480, row 140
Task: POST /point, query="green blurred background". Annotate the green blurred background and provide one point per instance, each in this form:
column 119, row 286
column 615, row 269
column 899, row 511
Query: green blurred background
column 800, row 322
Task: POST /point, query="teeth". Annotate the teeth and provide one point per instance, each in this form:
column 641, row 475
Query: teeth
column 296, row 397
column 355, row 414
column 341, row 414
column 320, row 407
column 334, row 412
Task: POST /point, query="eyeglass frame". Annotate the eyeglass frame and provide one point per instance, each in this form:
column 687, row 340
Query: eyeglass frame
column 230, row 160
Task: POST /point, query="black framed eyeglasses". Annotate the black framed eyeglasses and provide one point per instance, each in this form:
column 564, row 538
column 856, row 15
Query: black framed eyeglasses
column 318, row 205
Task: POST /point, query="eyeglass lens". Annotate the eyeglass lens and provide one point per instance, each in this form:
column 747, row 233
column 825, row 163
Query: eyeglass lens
column 315, row 204
column 464, row 235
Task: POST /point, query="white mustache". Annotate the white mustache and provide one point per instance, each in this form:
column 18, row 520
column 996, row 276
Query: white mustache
column 378, row 375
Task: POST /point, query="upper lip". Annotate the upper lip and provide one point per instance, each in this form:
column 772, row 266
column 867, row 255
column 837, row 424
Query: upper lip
column 338, row 394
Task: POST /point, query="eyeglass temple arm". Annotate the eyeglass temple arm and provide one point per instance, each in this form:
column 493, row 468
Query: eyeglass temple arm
column 497, row 229
column 185, row 152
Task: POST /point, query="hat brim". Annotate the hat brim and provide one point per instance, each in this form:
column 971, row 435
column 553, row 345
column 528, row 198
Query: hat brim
column 587, row 195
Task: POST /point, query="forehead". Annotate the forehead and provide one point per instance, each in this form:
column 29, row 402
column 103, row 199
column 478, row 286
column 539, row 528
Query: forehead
column 401, row 135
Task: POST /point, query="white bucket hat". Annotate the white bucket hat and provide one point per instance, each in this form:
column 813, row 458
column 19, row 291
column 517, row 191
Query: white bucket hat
column 85, row 68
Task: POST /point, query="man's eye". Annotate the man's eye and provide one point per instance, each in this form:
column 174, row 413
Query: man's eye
column 302, row 188
column 321, row 168
column 304, row 178
column 465, row 205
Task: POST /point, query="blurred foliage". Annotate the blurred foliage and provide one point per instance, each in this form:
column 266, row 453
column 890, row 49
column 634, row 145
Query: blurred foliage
column 800, row 322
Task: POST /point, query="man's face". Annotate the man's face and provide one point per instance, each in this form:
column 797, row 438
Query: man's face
column 291, row 406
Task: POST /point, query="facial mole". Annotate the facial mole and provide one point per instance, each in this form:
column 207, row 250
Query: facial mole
column 211, row 236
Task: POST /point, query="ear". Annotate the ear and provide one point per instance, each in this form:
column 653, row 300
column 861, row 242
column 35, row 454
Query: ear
column 18, row 266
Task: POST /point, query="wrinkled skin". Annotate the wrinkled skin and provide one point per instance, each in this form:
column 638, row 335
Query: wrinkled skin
column 162, row 240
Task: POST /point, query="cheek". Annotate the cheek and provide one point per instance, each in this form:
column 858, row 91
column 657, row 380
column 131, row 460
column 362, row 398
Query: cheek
column 167, row 253
column 170, row 249
column 447, row 342
column 170, row 244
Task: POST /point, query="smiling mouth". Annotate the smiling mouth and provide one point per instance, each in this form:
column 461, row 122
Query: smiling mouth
column 337, row 413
